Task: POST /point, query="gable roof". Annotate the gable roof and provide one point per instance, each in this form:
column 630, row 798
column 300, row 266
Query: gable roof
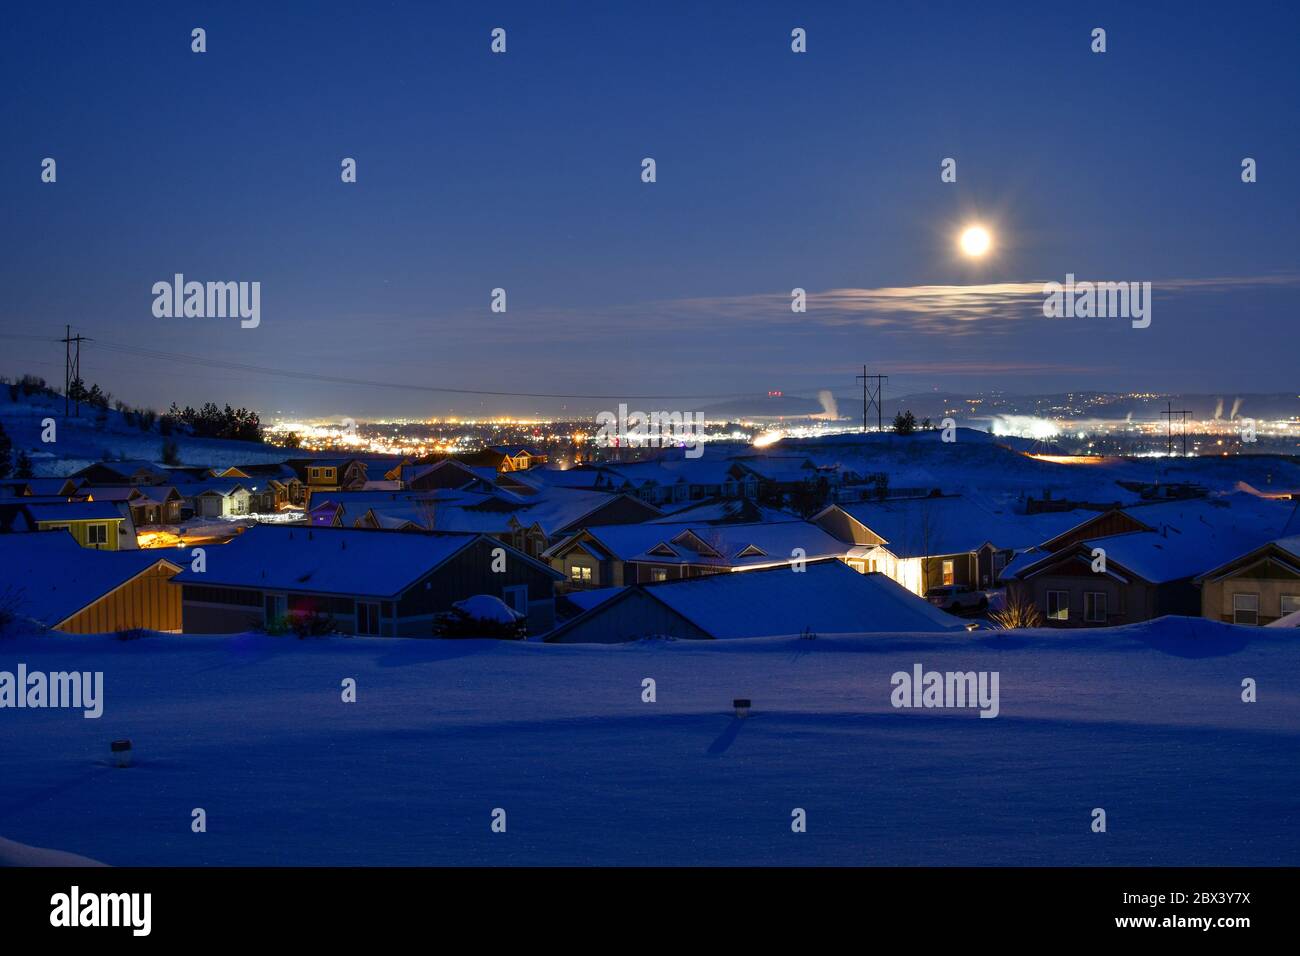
column 720, row 545
column 827, row 597
column 923, row 527
column 1188, row 538
column 52, row 577
column 335, row 560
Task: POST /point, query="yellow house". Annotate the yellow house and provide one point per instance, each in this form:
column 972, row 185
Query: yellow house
column 100, row 525
column 64, row 588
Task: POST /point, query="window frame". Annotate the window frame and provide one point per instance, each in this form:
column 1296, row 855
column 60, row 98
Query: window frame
column 1047, row 604
column 1237, row 611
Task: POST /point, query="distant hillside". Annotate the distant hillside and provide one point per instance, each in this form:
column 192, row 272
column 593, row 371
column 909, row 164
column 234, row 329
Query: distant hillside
column 105, row 434
column 976, row 408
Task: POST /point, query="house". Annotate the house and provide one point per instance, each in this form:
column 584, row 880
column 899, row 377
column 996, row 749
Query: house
column 48, row 579
column 448, row 474
column 596, row 557
column 506, row 458
column 1261, row 586
column 329, row 474
column 938, row 541
column 148, row 504
column 214, row 498
column 156, row 505
column 826, row 598
column 271, row 487
column 531, row 524
column 100, row 525
column 1143, row 562
column 369, row 582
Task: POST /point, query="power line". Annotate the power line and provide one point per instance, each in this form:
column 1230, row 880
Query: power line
column 369, row 383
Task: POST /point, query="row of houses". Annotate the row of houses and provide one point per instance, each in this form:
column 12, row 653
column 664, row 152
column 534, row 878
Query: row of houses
column 611, row 544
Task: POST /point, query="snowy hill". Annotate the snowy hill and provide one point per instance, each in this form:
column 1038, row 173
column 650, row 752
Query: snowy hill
column 85, row 440
column 978, row 463
column 1146, row 722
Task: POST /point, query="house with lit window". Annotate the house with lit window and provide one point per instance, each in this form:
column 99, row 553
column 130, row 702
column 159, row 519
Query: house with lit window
column 271, row 487
column 99, row 525
column 938, row 541
column 214, row 498
column 1258, row 587
column 826, row 598
column 598, row 557
column 380, row 583
column 1138, row 563
column 329, row 474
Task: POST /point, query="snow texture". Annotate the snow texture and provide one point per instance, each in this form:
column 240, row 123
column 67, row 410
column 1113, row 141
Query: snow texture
column 1146, row 722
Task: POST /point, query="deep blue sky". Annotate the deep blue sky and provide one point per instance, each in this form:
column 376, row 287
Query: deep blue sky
column 523, row 171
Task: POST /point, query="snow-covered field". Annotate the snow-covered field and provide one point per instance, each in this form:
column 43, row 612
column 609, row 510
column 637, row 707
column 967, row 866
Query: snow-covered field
column 1146, row 722
column 85, row 440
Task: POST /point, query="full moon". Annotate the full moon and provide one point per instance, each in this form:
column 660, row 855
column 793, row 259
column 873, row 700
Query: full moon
column 975, row 241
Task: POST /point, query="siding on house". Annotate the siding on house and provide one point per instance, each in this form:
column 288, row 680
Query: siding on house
column 149, row 600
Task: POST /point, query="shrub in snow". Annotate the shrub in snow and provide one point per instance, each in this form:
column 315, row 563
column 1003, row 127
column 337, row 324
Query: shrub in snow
column 482, row 616
column 132, row 634
column 1017, row 610
column 303, row 624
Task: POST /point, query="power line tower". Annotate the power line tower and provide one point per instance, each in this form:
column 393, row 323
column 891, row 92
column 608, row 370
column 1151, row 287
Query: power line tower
column 71, row 367
column 874, row 397
column 1168, row 415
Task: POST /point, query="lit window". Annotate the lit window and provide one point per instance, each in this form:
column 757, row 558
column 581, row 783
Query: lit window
column 949, row 578
column 1058, row 605
column 658, row 574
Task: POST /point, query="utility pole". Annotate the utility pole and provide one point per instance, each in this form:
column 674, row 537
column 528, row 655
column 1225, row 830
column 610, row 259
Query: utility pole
column 874, row 397
column 71, row 367
column 1168, row 415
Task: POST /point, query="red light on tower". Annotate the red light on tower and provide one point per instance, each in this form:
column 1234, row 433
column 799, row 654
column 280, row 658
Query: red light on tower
column 774, row 393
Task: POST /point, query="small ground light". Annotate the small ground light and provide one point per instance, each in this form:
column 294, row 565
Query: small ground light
column 742, row 706
column 121, row 751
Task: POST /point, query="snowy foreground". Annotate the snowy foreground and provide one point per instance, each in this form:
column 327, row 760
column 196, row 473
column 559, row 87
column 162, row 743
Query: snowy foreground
column 1146, row 722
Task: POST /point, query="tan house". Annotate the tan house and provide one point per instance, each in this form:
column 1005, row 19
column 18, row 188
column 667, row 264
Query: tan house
column 1255, row 588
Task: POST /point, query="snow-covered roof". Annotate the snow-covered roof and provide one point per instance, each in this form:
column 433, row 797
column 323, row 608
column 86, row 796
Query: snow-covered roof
column 731, row 545
column 217, row 486
column 75, row 511
column 1195, row 536
column 329, row 560
column 52, row 577
column 827, row 597
column 713, row 510
column 921, row 527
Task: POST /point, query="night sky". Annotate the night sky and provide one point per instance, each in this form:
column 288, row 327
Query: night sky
column 523, row 171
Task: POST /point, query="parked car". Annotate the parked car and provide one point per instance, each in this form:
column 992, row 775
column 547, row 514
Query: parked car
column 955, row 598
